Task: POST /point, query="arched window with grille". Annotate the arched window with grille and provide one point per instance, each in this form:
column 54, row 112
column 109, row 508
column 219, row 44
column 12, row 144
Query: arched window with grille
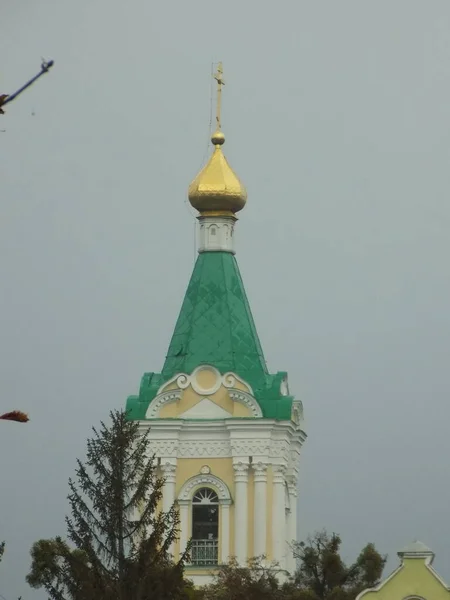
column 205, row 527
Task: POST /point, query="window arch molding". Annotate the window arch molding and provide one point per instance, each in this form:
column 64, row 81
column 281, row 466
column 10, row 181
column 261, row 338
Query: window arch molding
column 198, row 481
column 205, row 495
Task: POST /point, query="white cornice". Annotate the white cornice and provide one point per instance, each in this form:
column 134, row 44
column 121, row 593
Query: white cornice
column 175, row 438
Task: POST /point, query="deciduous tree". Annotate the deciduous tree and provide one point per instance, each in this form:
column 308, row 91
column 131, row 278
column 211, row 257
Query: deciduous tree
column 323, row 572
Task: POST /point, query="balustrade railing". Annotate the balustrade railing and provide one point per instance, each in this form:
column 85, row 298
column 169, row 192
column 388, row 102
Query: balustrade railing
column 204, row 552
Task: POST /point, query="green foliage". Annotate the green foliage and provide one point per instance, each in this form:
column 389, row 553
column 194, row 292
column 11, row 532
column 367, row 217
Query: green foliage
column 250, row 582
column 118, row 544
column 322, row 575
column 323, row 572
column 258, row 582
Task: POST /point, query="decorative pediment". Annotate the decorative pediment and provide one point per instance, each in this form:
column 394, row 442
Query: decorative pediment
column 205, row 380
column 204, row 394
column 205, row 409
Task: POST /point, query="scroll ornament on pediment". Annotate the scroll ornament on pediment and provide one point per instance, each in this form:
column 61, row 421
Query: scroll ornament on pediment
column 214, row 381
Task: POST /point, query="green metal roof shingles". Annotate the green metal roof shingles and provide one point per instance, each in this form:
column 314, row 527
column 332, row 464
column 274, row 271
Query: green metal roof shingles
column 216, row 327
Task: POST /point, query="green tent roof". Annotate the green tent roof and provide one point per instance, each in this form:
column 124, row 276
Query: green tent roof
column 215, row 326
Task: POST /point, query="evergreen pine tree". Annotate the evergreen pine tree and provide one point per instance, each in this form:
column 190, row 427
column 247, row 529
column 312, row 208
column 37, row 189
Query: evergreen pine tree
column 118, row 541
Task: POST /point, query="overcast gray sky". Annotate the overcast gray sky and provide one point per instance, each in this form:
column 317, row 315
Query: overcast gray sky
column 337, row 117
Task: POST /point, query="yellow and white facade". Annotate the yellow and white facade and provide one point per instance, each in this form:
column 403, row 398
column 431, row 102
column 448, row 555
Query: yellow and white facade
column 208, row 432
column 227, row 434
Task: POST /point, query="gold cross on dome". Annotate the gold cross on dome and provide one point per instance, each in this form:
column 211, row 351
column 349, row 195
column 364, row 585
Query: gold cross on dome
column 220, row 82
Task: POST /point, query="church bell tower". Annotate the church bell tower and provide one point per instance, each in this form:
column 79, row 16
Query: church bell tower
column 226, row 432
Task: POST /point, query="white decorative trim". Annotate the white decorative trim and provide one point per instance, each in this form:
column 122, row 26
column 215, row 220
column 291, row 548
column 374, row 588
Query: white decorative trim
column 247, row 400
column 183, row 381
column 198, row 449
column 229, row 381
column 297, row 412
column 240, row 472
column 280, row 449
column 217, row 484
column 278, row 475
column 169, row 471
column 291, row 482
column 250, row 447
column 161, row 400
column 164, row 448
column 259, row 472
column 216, row 234
column 201, row 390
column 235, row 438
column 284, row 387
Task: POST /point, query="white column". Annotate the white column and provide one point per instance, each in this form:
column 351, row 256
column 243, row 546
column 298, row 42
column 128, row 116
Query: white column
column 279, row 516
column 291, row 524
column 240, row 511
column 225, row 531
column 184, row 524
column 260, row 509
column 169, row 474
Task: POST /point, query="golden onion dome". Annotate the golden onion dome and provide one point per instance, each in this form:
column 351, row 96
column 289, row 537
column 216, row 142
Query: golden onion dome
column 217, row 189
